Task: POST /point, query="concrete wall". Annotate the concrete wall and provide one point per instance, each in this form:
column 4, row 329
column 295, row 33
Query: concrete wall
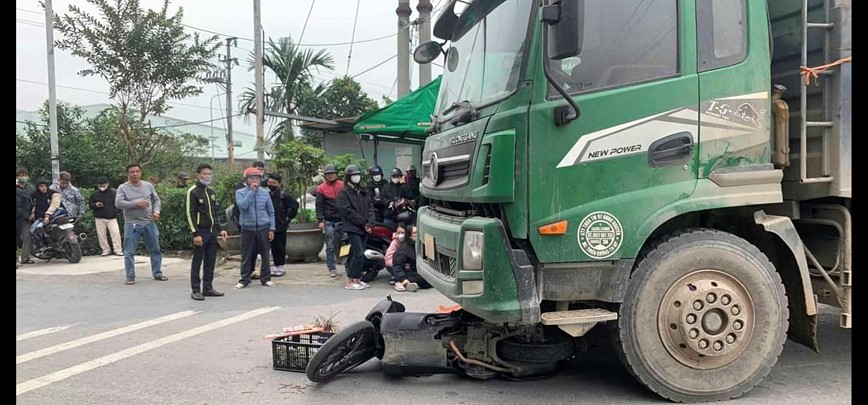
column 389, row 156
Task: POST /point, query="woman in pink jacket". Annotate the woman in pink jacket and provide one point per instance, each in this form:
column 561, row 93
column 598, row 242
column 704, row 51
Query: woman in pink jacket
column 397, row 238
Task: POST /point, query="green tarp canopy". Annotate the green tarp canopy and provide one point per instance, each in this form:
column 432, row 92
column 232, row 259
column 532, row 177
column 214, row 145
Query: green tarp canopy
column 407, row 118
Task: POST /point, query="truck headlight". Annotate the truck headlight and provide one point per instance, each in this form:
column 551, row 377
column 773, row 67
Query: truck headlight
column 474, row 242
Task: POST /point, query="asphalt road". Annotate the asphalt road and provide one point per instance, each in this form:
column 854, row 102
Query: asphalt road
column 86, row 338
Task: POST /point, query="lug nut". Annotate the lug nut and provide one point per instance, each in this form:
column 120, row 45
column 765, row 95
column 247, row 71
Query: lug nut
column 737, row 325
column 717, row 346
column 724, row 300
column 693, row 333
column 691, row 319
column 703, row 344
column 711, row 298
column 697, row 305
column 730, row 339
column 735, row 310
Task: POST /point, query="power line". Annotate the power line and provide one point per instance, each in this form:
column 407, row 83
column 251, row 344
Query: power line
column 304, row 28
column 353, row 36
column 103, row 92
column 196, row 123
column 373, row 67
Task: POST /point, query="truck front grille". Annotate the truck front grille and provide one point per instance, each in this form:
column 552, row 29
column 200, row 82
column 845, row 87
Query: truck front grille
column 444, row 264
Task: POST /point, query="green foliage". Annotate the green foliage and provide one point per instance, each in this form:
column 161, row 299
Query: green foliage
column 342, row 98
column 147, row 59
column 293, row 69
column 301, row 162
column 89, row 148
column 308, row 218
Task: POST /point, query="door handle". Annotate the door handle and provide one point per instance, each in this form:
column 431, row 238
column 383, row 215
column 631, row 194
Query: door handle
column 671, row 150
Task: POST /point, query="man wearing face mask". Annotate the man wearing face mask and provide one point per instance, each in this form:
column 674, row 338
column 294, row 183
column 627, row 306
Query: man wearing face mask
column 24, row 214
column 328, row 215
column 257, row 228
column 202, row 219
column 397, row 194
column 285, row 209
column 377, row 193
column 105, row 214
column 357, row 217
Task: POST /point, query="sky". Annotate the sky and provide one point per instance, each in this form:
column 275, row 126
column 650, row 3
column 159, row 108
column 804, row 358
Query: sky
column 330, row 22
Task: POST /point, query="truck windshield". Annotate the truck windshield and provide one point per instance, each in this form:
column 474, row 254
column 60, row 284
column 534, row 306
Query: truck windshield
column 484, row 60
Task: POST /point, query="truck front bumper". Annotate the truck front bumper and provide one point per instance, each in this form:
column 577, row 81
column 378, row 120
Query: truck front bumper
column 504, row 290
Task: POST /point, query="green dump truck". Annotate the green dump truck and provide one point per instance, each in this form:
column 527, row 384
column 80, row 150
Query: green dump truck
column 663, row 168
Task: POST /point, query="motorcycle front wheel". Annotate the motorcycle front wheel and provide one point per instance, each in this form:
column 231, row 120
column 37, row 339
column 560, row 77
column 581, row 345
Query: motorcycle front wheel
column 72, row 252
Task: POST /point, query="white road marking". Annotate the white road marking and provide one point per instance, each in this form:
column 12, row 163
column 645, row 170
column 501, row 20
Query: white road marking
column 39, row 382
column 105, row 335
column 40, row 332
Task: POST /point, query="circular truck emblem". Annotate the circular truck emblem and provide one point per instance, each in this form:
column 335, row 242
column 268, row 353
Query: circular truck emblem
column 434, row 169
column 600, row 235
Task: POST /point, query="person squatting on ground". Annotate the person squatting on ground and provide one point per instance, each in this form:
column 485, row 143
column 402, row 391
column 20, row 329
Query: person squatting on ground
column 285, row 209
column 404, row 266
column 105, row 216
column 24, row 215
column 328, row 215
column 141, row 207
column 357, row 217
column 256, row 217
column 397, row 238
column 202, row 218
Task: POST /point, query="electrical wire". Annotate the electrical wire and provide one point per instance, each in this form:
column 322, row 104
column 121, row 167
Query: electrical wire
column 373, row 67
column 353, row 36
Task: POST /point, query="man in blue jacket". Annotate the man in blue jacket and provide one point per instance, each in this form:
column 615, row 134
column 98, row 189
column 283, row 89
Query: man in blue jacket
column 256, row 218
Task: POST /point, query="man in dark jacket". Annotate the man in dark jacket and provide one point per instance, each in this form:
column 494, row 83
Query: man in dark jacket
column 377, row 193
column 23, row 214
column 357, row 218
column 285, row 209
column 397, row 195
column 45, row 203
column 105, row 214
column 328, row 215
column 202, row 217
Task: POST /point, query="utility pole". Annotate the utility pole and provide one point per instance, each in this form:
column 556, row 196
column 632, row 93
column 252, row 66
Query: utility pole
column 403, row 12
column 52, row 91
column 260, row 124
column 230, row 145
column 424, row 8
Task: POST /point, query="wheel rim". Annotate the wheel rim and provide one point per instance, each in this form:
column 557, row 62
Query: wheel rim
column 706, row 319
column 353, row 351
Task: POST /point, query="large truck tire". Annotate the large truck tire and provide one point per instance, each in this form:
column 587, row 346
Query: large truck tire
column 555, row 347
column 704, row 317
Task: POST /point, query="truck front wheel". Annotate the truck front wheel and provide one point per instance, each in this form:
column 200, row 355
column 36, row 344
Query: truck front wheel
column 704, row 317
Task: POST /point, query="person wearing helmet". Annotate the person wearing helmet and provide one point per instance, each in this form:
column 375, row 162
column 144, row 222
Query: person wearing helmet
column 257, row 227
column 396, row 193
column 45, row 203
column 328, row 215
column 357, row 216
column 412, row 183
column 377, row 193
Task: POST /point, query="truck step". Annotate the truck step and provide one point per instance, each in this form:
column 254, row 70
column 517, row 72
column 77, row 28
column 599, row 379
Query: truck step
column 578, row 316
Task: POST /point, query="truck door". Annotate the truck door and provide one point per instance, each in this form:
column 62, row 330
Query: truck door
column 630, row 157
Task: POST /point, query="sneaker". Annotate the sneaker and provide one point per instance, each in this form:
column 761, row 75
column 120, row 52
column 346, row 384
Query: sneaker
column 364, row 284
column 196, row 295
column 161, row 278
column 333, row 273
column 103, row 254
column 130, row 282
column 412, row 287
column 392, row 281
column 121, row 254
column 212, row 293
column 276, row 272
column 269, row 283
column 400, row 287
column 354, row 286
column 240, row 286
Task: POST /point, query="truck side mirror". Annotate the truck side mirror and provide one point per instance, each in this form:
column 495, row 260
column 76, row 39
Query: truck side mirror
column 566, row 27
column 427, row 52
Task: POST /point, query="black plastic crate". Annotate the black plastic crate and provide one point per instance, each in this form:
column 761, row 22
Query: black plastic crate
column 292, row 353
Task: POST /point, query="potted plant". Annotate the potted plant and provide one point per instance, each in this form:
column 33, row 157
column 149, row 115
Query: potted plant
column 301, row 162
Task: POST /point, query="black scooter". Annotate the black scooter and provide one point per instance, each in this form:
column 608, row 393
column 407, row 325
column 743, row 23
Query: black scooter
column 57, row 239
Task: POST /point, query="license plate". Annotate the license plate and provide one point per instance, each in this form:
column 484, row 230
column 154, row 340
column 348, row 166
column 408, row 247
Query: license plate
column 65, row 226
column 345, row 250
column 430, row 252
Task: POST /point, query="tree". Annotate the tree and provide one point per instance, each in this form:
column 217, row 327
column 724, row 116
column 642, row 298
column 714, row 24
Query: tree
column 147, row 59
column 343, row 98
column 293, row 68
column 302, row 163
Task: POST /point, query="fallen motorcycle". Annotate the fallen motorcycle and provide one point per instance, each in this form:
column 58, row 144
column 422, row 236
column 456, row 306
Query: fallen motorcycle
column 418, row 344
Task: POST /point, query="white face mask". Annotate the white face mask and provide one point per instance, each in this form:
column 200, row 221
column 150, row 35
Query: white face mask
column 356, row 178
column 396, row 180
column 401, row 237
column 377, row 177
column 103, row 188
column 205, row 182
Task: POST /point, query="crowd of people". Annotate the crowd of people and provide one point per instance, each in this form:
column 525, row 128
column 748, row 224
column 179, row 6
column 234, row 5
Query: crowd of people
column 346, row 211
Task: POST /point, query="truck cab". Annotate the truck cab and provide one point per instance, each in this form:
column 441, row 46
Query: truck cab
column 628, row 162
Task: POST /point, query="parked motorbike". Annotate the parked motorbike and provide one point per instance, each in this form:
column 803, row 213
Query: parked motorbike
column 57, row 239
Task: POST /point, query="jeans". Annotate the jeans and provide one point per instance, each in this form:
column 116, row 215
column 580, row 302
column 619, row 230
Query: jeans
column 207, row 252
column 132, row 234
column 252, row 242
column 332, row 232
column 357, row 255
